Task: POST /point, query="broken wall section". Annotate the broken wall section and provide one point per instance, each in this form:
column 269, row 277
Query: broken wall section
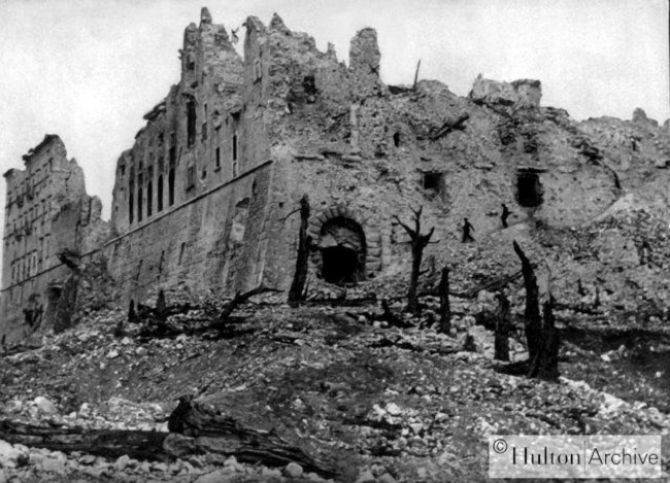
column 48, row 213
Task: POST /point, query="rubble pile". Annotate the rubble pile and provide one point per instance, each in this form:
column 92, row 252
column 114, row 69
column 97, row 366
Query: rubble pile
column 383, row 404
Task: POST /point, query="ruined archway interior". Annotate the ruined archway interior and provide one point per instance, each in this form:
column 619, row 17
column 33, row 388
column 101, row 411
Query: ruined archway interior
column 343, row 251
column 529, row 189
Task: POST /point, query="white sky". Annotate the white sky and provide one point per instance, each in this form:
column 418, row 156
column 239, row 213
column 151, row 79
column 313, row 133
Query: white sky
column 88, row 70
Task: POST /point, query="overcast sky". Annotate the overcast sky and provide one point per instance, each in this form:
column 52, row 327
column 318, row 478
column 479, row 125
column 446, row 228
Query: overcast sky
column 88, row 70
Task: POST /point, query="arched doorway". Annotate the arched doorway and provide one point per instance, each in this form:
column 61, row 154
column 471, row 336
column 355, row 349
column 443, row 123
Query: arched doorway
column 343, row 251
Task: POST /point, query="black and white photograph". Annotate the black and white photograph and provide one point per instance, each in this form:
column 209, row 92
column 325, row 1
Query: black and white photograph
column 373, row 241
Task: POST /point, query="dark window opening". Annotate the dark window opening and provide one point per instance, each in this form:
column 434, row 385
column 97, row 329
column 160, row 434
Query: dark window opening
column 122, row 169
column 529, row 189
column 432, row 181
column 181, row 252
column 190, row 121
column 218, row 158
column 235, row 165
column 204, row 172
column 309, row 85
column 150, row 201
column 139, row 204
column 171, row 187
column 204, row 131
column 190, row 177
column 130, row 205
column 173, row 157
column 343, row 251
column 160, row 193
column 396, row 139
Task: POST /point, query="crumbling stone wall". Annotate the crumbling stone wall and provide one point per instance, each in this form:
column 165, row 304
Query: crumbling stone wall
column 47, row 213
column 367, row 151
column 203, row 199
column 190, row 196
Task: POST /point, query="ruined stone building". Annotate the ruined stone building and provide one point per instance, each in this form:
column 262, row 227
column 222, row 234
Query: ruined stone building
column 203, row 199
column 47, row 213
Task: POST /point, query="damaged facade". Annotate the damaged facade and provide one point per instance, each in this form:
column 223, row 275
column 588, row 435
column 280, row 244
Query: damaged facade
column 203, row 199
column 48, row 216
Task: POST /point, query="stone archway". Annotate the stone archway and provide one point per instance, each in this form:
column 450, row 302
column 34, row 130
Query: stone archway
column 366, row 243
column 343, row 251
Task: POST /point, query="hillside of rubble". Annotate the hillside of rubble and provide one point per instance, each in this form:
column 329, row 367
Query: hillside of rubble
column 376, row 403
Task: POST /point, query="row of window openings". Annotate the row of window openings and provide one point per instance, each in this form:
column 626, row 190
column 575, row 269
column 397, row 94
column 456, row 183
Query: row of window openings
column 173, row 161
column 25, row 268
column 190, row 182
column 191, row 120
column 150, row 196
column 31, row 216
column 32, row 181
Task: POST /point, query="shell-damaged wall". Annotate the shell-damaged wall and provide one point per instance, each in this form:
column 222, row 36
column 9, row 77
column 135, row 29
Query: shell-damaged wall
column 190, row 196
column 47, row 214
column 364, row 151
column 206, row 197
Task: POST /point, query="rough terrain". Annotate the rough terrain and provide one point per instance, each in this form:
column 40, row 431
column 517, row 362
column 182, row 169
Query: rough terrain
column 377, row 402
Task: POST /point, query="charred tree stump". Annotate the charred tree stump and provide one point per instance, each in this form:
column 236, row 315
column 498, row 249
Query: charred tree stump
column 132, row 315
column 417, row 243
column 545, row 364
column 391, row 318
column 445, row 308
column 296, row 293
column 533, row 321
column 502, row 328
column 161, row 307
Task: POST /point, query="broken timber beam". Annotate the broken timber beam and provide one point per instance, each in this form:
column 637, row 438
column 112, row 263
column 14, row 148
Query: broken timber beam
column 195, row 428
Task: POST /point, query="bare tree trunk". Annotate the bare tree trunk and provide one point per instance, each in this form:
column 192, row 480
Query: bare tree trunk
column 412, row 298
column 417, row 242
column 296, row 293
column 502, row 328
column 416, row 75
column 533, row 321
column 445, row 307
column 545, row 364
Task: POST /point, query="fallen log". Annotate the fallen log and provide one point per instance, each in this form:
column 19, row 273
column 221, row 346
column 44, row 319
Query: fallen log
column 195, row 428
column 144, row 445
column 199, row 427
column 241, row 298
